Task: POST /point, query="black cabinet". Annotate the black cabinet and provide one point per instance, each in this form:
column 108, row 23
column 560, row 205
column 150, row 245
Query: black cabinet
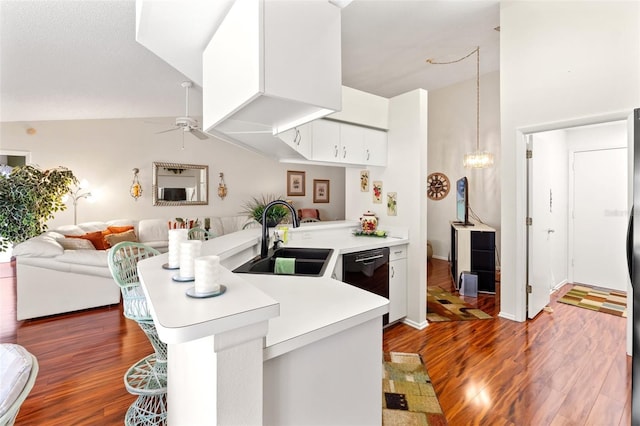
column 473, row 250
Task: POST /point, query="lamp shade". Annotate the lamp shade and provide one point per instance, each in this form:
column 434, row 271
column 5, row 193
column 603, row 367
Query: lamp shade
column 478, row 160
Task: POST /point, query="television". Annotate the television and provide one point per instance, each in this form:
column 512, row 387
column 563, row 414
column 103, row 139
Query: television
column 174, row 194
column 462, row 202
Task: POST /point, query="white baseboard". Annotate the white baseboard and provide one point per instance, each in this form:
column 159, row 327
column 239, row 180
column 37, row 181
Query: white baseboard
column 418, row 326
column 507, row 316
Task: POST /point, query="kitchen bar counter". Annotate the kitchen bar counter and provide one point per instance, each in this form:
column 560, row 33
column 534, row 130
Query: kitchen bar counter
column 270, row 326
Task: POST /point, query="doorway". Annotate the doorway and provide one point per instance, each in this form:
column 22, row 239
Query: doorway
column 577, row 186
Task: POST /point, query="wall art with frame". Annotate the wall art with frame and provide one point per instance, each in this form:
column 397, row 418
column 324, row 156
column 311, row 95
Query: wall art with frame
column 321, row 190
column 295, row 183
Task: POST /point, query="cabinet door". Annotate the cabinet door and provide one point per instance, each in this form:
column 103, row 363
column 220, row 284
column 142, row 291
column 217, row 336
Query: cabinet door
column 326, row 140
column 397, row 289
column 374, row 146
column 299, row 138
column 351, row 143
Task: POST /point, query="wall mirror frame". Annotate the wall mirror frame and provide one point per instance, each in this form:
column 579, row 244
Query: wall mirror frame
column 176, row 184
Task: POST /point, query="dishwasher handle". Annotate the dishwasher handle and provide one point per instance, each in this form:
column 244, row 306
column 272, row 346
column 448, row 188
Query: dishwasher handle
column 365, row 259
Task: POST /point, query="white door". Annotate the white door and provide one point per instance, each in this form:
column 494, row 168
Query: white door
column 600, row 218
column 539, row 232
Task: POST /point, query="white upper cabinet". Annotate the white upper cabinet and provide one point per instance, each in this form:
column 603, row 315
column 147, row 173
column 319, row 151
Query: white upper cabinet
column 300, row 139
column 374, row 147
column 276, row 64
column 341, row 143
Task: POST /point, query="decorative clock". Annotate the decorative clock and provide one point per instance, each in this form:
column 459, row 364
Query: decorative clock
column 437, row 186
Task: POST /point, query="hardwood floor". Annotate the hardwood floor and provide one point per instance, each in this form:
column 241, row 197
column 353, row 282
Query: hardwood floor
column 566, row 367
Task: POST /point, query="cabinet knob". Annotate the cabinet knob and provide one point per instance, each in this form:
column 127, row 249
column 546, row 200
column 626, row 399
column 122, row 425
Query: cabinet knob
column 368, row 154
column 335, row 151
column 344, row 152
column 393, row 272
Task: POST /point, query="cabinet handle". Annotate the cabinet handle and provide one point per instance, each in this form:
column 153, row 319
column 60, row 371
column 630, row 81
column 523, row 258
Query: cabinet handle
column 397, row 252
column 368, row 154
column 393, row 272
column 335, row 151
column 297, row 138
column 344, row 152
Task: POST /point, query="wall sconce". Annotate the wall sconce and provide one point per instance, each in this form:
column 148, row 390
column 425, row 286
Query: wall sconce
column 222, row 187
column 77, row 195
column 136, row 189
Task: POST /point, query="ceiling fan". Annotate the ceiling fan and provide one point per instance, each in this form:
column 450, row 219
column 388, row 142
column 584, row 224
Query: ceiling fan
column 187, row 124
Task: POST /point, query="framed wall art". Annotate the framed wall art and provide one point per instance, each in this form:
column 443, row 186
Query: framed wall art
column 295, row 183
column 320, row 191
column 377, row 192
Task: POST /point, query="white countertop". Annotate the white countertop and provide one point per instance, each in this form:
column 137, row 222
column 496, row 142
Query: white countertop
column 300, row 310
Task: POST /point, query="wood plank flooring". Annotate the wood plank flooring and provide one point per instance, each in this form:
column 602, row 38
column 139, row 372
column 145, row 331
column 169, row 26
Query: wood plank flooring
column 566, row 367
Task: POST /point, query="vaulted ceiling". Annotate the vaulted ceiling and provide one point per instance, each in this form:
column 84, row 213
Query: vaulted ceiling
column 64, row 59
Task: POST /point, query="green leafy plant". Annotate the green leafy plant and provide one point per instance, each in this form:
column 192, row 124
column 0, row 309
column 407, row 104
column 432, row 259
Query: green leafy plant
column 28, row 198
column 255, row 208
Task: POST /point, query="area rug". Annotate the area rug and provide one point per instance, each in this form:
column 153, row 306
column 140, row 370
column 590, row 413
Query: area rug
column 408, row 397
column 444, row 306
column 597, row 299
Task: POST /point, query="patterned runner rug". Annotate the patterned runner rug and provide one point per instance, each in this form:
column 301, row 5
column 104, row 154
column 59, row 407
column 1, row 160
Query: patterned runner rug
column 597, row 299
column 408, row 397
column 444, row 306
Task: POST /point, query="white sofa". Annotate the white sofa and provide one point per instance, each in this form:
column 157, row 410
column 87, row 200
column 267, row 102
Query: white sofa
column 53, row 280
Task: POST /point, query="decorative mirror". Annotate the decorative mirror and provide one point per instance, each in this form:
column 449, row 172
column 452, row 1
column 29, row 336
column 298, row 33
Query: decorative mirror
column 180, row 184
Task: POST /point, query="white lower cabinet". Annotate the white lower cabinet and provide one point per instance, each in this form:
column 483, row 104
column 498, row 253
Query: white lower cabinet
column 397, row 282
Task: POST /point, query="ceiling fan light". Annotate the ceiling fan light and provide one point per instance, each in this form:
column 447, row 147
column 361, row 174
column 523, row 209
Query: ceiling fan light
column 478, row 160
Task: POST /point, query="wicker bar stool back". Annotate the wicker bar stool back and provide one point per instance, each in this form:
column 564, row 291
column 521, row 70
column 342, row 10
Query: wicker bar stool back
column 147, row 378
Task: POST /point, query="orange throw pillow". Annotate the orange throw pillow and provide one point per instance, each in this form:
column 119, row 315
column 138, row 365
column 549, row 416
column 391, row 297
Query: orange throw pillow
column 96, row 238
column 119, row 229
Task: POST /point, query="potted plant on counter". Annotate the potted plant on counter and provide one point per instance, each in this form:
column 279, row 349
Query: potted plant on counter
column 28, row 198
column 255, row 208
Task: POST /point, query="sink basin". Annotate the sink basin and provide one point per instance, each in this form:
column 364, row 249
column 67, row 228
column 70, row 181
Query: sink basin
column 309, row 261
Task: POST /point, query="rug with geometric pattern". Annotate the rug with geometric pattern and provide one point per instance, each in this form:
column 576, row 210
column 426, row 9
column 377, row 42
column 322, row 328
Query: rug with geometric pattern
column 444, row 306
column 408, row 397
column 597, row 299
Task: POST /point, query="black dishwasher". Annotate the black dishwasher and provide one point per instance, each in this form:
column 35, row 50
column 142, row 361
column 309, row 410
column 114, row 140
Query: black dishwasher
column 368, row 270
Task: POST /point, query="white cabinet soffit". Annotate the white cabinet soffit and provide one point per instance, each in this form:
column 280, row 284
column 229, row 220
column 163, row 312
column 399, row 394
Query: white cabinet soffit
column 178, row 31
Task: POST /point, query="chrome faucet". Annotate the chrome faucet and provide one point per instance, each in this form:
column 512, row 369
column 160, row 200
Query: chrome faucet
column 264, row 248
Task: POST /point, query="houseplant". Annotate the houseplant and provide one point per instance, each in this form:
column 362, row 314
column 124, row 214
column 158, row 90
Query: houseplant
column 255, row 207
column 28, row 198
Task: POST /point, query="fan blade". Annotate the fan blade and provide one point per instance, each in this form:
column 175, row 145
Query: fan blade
column 168, row 130
column 199, row 134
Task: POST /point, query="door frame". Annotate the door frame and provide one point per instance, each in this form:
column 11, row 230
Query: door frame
column 520, row 305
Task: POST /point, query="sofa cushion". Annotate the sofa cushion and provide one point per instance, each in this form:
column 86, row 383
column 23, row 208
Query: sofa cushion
column 75, row 244
column 70, row 230
column 44, row 245
column 84, row 257
column 113, row 239
column 88, row 227
column 153, row 230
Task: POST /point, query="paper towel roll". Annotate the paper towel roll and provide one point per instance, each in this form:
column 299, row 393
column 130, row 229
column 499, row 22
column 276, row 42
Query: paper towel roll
column 207, row 272
column 176, row 236
column 189, row 250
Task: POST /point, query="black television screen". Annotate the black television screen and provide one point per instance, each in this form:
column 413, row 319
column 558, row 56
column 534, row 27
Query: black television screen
column 174, row 194
column 462, row 201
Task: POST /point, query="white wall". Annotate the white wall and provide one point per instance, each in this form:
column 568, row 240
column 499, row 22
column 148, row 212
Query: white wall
column 105, row 151
column 406, row 174
column 452, row 133
column 560, row 62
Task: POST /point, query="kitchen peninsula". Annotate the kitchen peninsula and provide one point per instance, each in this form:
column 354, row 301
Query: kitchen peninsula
column 272, row 349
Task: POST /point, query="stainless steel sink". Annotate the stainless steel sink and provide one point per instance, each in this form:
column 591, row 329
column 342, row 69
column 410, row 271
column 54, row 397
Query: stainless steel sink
column 308, row 261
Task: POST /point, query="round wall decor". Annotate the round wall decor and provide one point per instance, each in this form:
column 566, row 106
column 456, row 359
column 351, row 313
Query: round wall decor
column 437, row 186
